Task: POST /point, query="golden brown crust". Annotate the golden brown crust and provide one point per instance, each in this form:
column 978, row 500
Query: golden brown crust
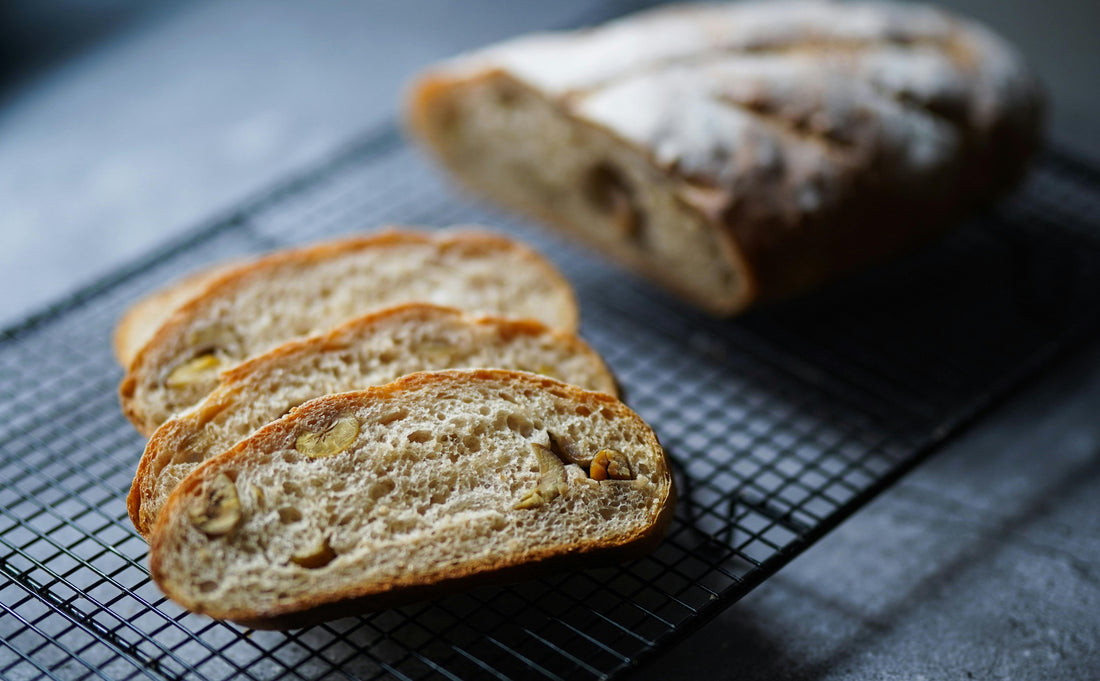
column 175, row 430
column 475, row 239
column 410, row 586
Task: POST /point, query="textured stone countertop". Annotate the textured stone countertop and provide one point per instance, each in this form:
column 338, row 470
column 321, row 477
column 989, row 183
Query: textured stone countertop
column 984, row 563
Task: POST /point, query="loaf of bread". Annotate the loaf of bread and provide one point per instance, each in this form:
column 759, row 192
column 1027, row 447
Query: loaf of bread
column 256, row 306
column 365, row 352
column 740, row 152
column 438, row 480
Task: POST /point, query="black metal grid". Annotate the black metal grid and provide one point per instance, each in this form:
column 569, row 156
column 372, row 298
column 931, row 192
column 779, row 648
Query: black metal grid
column 781, row 424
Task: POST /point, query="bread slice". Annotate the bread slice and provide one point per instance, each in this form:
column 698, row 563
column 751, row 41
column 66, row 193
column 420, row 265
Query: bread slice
column 365, row 499
column 740, row 152
column 368, row 351
column 143, row 318
column 294, row 293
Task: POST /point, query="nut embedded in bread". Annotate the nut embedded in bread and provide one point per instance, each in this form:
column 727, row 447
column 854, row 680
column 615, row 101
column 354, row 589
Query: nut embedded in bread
column 419, row 487
column 294, row 293
column 740, row 152
column 372, row 350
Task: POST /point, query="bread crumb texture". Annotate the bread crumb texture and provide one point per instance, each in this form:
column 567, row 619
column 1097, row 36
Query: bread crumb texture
column 438, row 476
column 368, row 351
column 301, row 292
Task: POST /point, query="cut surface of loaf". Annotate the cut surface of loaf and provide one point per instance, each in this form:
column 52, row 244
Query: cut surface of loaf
column 437, row 480
column 365, row 352
column 740, row 152
column 289, row 294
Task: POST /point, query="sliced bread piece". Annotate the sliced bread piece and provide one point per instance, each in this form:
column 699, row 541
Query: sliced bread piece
column 143, row 318
column 416, row 488
column 368, row 351
column 294, row 293
column 741, row 151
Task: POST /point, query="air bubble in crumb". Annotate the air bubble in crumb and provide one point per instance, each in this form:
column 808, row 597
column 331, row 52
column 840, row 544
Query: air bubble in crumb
column 519, row 424
column 392, row 417
column 289, row 515
column 381, row 488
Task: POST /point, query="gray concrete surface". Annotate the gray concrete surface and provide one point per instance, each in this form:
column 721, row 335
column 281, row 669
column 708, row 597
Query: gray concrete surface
column 982, row 564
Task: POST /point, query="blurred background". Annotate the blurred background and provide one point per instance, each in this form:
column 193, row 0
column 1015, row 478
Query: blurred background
column 125, row 123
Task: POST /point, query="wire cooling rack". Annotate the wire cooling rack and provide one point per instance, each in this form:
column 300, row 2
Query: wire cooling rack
column 781, row 424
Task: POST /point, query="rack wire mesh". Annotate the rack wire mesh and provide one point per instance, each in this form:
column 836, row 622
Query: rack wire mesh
column 781, row 424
